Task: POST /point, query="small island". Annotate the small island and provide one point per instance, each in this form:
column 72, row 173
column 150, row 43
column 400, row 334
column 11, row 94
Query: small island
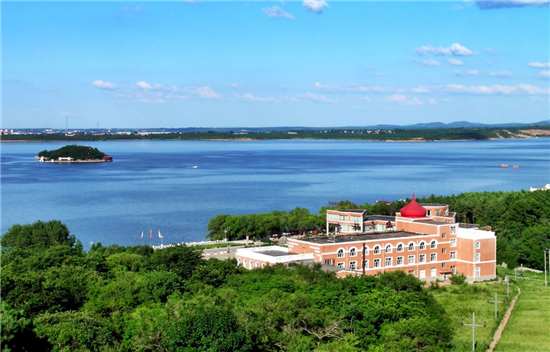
column 73, row 154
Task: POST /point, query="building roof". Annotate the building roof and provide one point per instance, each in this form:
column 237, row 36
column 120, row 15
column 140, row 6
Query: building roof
column 360, row 237
column 349, row 210
column 274, row 253
column 468, row 226
column 433, row 222
column 380, row 217
column 433, row 204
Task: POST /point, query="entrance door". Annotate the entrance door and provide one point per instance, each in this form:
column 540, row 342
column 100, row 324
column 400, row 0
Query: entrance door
column 422, row 273
column 433, row 272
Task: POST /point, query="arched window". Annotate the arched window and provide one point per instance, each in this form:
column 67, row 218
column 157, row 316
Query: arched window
column 376, row 249
column 340, row 253
column 353, row 252
column 433, row 244
column 400, row 247
column 244, row 263
column 411, row 246
column 257, row 264
column 366, row 250
column 238, row 261
column 250, row 265
column 388, row 248
column 263, row 265
column 422, row 245
column 478, row 245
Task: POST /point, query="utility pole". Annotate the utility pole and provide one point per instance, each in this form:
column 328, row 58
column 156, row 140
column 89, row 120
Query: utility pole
column 545, row 280
column 507, row 286
column 495, row 302
column 364, row 250
column 473, row 325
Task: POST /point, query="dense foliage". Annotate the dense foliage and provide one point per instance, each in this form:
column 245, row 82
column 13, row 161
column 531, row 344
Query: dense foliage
column 76, row 152
column 521, row 221
column 56, row 297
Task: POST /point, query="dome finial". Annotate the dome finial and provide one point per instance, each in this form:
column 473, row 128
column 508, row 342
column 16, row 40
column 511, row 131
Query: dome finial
column 413, row 209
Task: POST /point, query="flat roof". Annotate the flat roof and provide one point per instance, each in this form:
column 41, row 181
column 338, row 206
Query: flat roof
column 274, row 253
column 380, row 217
column 349, row 210
column 434, row 204
column 360, row 237
column 468, row 226
column 434, row 222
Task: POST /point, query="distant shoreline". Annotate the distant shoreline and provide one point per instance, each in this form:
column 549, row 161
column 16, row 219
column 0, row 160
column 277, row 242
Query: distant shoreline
column 267, row 140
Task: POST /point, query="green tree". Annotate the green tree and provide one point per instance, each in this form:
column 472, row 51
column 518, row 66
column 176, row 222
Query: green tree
column 39, row 235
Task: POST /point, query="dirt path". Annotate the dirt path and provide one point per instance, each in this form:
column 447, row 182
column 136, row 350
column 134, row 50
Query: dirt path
column 503, row 323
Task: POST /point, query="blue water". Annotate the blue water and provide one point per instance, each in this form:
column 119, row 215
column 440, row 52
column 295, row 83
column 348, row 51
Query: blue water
column 152, row 185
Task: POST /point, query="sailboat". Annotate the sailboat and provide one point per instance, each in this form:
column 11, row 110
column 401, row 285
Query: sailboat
column 161, row 237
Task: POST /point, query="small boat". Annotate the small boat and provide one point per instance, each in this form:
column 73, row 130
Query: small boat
column 515, row 166
column 195, row 167
column 504, row 166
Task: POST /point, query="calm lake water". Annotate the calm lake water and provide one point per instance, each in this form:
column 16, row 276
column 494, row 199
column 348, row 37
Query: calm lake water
column 153, row 185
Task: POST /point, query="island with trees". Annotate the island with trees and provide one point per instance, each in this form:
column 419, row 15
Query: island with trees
column 74, row 154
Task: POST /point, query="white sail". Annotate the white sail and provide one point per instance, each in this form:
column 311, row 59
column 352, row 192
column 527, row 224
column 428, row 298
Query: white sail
column 160, row 236
column 141, row 234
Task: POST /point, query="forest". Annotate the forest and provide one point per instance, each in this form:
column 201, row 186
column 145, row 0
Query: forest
column 521, row 221
column 76, row 152
column 57, row 297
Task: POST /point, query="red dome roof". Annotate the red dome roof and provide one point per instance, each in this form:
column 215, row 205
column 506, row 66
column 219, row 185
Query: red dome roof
column 413, row 210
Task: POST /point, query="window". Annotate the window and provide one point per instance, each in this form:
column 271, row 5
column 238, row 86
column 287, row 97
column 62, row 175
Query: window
column 453, row 269
column 422, row 258
column 443, row 250
column 353, row 252
column 353, row 265
column 400, row 247
column 377, row 250
column 340, row 253
column 356, row 219
column 422, row 245
column 433, row 244
column 429, row 212
column 238, row 261
column 388, row 248
column 400, row 260
column 341, row 265
column 453, row 255
column 250, row 265
column 453, row 230
column 411, row 259
column 244, row 263
column 257, row 265
column 433, row 272
column 443, row 265
column 411, row 272
column 366, row 250
column 343, row 218
column 433, row 257
column 453, row 242
column 263, row 265
column 377, row 263
column 438, row 212
column 443, row 235
column 329, row 262
column 366, row 264
column 478, row 245
column 422, row 273
column 477, row 272
column 411, row 246
column 388, row 261
column 478, row 257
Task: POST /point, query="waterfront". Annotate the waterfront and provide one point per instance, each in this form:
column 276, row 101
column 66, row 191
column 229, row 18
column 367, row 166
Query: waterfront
column 154, row 185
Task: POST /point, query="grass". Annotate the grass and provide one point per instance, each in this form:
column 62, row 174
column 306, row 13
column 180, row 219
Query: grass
column 528, row 329
column 461, row 301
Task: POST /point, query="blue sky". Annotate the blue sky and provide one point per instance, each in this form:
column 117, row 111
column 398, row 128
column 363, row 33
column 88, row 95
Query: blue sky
column 261, row 64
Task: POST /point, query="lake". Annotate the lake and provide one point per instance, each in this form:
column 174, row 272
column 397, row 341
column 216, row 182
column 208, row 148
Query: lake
column 154, row 185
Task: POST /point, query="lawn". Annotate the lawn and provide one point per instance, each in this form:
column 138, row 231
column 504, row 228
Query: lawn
column 528, row 329
column 461, row 301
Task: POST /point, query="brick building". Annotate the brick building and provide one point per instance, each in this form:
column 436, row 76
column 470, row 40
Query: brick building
column 423, row 240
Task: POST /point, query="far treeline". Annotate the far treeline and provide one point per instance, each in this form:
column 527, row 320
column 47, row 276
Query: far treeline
column 521, row 221
column 57, row 297
column 77, row 152
column 324, row 134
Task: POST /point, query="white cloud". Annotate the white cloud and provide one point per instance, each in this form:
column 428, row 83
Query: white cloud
column 103, row 84
column 251, row 98
column 455, row 49
column 316, row 98
column 455, row 62
column 315, row 6
column 403, row 100
column 276, row 11
column 432, row 101
column 500, row 74
column 544, row 74
column 539, row 64
column 351, row 88
column 501, row 4
column 496, row 89
column 143, row 85
column 203, row 92
column 365, row 99
column 429, row 62
column 472, row 72
column 421, row 89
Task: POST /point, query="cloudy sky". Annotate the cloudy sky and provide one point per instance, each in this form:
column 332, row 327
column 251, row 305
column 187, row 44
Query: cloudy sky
column 285, row 63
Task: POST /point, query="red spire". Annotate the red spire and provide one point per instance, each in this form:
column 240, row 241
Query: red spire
column 413, row 210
